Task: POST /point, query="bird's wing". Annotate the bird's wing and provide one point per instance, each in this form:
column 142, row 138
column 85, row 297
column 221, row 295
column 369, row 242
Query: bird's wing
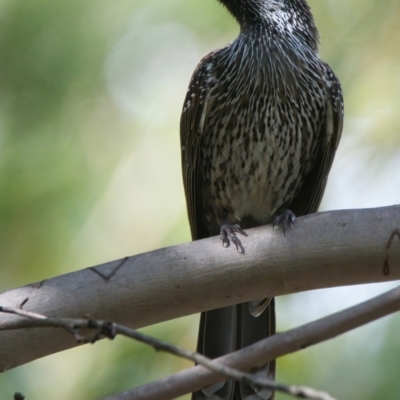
column 193, row 117
column 310, row 196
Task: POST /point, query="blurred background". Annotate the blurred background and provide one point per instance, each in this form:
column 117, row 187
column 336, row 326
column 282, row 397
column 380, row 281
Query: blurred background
column 90, row 100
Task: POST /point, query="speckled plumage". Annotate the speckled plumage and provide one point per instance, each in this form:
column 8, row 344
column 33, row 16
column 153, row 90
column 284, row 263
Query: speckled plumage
column 261, row 121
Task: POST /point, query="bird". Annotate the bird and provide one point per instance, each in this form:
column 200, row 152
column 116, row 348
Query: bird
column 260, row 125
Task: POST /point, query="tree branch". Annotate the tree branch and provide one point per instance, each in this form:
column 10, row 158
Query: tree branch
column 260, row 353
column 110, row 330
column 324, row 250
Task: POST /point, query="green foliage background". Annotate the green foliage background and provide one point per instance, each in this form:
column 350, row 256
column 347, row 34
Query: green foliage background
column 90, row 100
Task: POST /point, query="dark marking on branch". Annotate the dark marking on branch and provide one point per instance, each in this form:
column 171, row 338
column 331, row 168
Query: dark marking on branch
column 23, row 303
column 37, row 285
column 112, row 273
column 386, row 269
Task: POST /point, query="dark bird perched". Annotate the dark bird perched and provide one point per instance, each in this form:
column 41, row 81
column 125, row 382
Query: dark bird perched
column 260, row 126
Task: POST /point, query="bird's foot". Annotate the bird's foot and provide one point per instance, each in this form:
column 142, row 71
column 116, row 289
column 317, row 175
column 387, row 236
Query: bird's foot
column 285, row 220
column 227, row 233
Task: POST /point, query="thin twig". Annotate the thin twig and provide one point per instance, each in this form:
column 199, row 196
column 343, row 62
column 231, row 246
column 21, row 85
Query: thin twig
column 260, row 353
column 110, row 330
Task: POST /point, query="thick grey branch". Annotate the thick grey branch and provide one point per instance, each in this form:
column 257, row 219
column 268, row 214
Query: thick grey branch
column 324, row 250
column 110, row 330
column 258, row 354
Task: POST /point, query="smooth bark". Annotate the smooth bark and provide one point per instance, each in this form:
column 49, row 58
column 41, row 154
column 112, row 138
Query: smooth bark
column 324, row 250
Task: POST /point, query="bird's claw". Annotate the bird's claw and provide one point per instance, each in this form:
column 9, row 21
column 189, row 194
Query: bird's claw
column 228, row 232
column 284, row 221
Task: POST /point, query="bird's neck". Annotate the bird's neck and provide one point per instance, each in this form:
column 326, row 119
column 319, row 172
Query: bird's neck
column 273, row 20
